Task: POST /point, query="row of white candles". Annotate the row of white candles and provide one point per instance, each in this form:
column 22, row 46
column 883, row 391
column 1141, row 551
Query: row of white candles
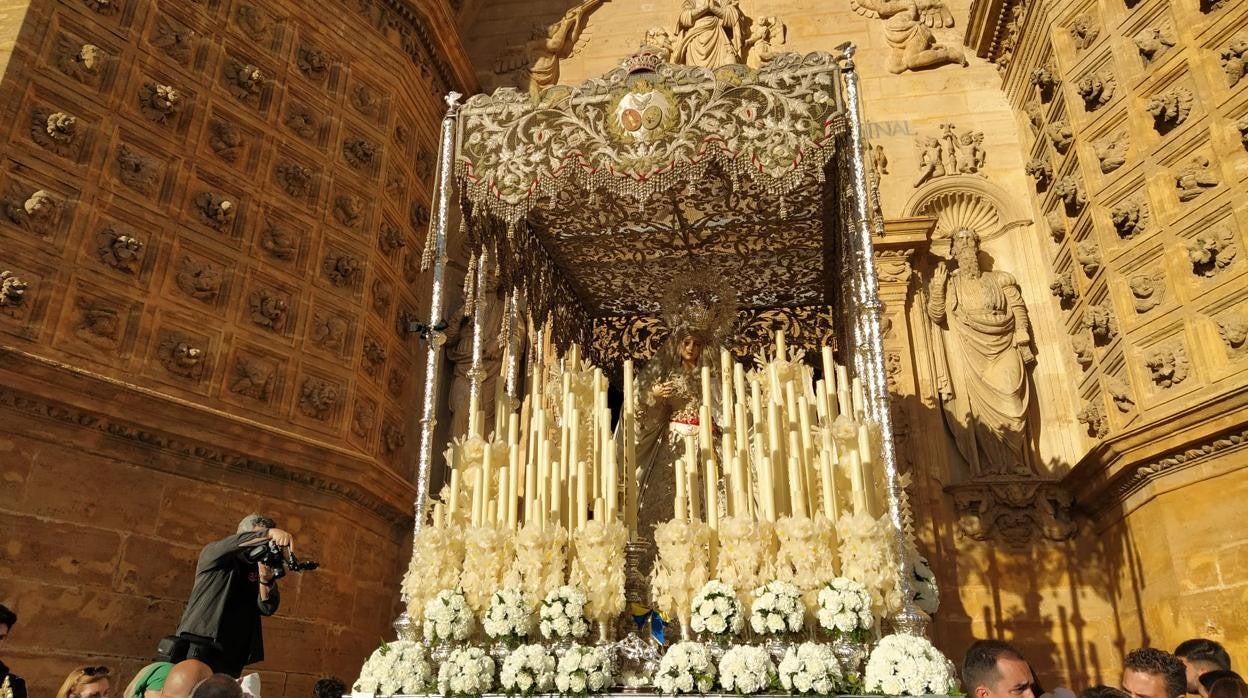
column 563, row 461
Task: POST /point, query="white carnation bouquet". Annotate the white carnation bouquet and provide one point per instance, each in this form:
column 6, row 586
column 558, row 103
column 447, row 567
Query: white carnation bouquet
column 396, row 667
column 810, row 668
column 529, row 669
column 447, row 617
column 469, row 671
column 716, row 610
column 777, row 609
column 583, row 670
column 746, row 669
column 686, row 668
column 845, row 609
column 509, row 618
column 910, row 666
column 563, row 614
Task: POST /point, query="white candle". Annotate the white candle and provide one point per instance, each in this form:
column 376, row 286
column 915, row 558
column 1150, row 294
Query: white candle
column 781, row 354
column 680, row 509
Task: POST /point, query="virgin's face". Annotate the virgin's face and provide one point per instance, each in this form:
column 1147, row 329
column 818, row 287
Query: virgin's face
column 690, row 349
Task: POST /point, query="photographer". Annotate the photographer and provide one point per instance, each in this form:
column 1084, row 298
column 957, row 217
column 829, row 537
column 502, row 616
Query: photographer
column 221, row 624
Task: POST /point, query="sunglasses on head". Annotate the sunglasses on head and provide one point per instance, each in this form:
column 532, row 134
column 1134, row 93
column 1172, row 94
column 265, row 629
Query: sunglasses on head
column 94, row 670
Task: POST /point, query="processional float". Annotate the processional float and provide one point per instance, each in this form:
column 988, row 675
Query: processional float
column 587, row 205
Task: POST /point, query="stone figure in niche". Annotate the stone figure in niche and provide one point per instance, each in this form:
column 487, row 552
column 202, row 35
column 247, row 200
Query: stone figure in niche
column 359, row 153
column 244, row 81
column 1060, row 135
column 1147, row 290
column 768, row 35
column 1083, row 350
column 312, row 62
column 214, row 210
column 1035, row 115
column 1195, row 178
column 1084, row 31
column 365, row 100
column 199, row 280
column 1233, row 329
column 1111, row 152
column 293, row 178
column 983, row 374
column 1212, row 251
column 225, row 139
column 1234, row 57
column 1121, row 394
column 537, row 60
column 362, row 418
column 1093, row 415
column 393, row 439
column 1100, row 321
column 159, row 103
column 1096, row 90
column 389, row 239
column 180, row 357
column 104, row 7
column 971, row 155
column 709, row 33
column 348, row 209
column 381, row 297
column 119, row 251
column 1063, row 287
column 254, row 22
column 659, row 40
column 342, row 270
column 1130, row 218
column 1170, row 108
column 1089, row 257
column 1046, row 78
column 879, row 163
column 173, row 38
column 57, row 132
column 302, row 121
column 279, row 241
column 12, row 289
column 1166, row 367
column 931, row 161
column 1071, row 193
column 329, row 332
column 1154, row 41
column 1041, row 172
column 98, row 324
column 268, row 308
column 82, row 62
column 1057, row 226
column 374, row 356
column 253, row 377
column 318, row 398
column 908, row 31
column 137, row 171
column 950, row 154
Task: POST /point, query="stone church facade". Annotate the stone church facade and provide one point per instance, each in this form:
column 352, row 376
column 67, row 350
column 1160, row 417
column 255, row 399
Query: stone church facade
column 213, row 214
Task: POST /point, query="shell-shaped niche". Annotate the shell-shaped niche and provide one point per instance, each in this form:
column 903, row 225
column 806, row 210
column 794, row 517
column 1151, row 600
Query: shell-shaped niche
column 964, row 203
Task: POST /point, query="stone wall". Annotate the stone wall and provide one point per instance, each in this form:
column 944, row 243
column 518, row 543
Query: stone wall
column 211, row 221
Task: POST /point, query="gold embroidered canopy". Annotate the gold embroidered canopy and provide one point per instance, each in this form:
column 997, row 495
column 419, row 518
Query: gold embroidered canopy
column 594, row 197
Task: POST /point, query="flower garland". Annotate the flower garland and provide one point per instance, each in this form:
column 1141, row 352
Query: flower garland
column 845, row 609
column 583, row 670
column 447, row 618
column 717, row 611
column 563, row 614
column 777, row 609
column 686, row 668
column 529, row 669
column 910, row 666
column 746, row 669
column 810, row 668
column 396, row 667
column 469, row 671
column 508, row 618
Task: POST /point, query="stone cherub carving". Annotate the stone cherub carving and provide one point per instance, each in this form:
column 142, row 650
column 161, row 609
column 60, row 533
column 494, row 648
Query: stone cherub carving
column 12, row 289
column 1083, row 350
column 1093, row 415
column 1151, row 42
column 908, row 32
column 1195, row 178
column 1111, row 152
column 1100, row 321
column 199, row 280
column 1212, row 251
column 226, row 139
column 374, row 356
column 302, row 121
column 1056, row 225
column 1071, row 193
column 1096, row 89
column 768, row 35
column 119, row 251
column 99, row 323
column 1083, row 31
column 268, row 308
column 1045, row 78
column 1170, row 108
column 55, row 131
column 359, row 153
column 1148, row 290
column 329, row 331
column 136, row 170
column 312, row 62
column 1234, row 58
column 318, row 398
column 278, row 240
column 253, row 377
column 214, row 210
column 348, row 209
column 1166, row 366
column 244, row 81
column 537, row 60
column 1130, row 218
column 293, row 178
column 180, row 357
column 342, row 269
column 363, row 415
column 1040, row 171
column 1233, row 329
column 1121, row 394
column 1088, row 255
column 160, row 103
column 983, row 372
column 1063, row 287
column 174, row 38
column 82, row 62
column 1060, row 135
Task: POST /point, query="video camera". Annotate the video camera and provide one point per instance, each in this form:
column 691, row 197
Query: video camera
column 268, row 553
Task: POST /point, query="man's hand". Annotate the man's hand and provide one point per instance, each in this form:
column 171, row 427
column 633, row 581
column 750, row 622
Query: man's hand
column 283, row 539
column 265, row 572
column 940, row 274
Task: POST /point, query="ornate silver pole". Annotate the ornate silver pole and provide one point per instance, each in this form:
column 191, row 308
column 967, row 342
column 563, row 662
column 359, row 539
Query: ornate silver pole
column 433, row 360
column 869, row 358
column 476, row 373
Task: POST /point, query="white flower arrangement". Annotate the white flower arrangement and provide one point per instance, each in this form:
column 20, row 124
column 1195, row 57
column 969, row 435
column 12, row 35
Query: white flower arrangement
column 910, row 666
column 686, row 668
column 469, row 671
column 562, row 616
column 777, row 609
column 583, row 670
column 810, row 668
column 509, row 617
column 746, row 669
column 447, row 618
column 396, row 667
column 529, row 669
column 716, row 610
column 845, row 609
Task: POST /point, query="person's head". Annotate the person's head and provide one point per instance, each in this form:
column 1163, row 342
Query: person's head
column 1228, row 687
column 85, row 682
column 218, row 686
column 994, row 669
column 1104, row 691
column 1200, row 656
column 255, row 522
column 689, row 348
column 329, row 687
column 1152, row 673
column 184, row 677
column 7, row 620
column 1211, row 678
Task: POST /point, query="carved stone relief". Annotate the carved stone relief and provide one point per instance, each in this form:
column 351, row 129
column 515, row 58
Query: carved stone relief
column 1100, row 321
column 396, row 382
column 38, row 212
column 418, row 214
column 363, row 416
column 374, row 356
column 534, row 65
column 1152, row 42
column 393, row 439
column 912, row 45
column 359, row 153
column 1041, row 172
column 181, row 357
column 225, row 139
column 1130, row 218
column 342, row 270
column 107, row 8
column 293, row 178
column 1063, row 287
column 244, row 81
column 1166, row 366
column 214, row 210
column 425, row 164
column 318, row 398
column 199, row 279
column 279, row 241
column 98, row 323
column 1056, row 226
column 1212, row 251
column 329, row 331
column 365, row 100
column 1111, row 152
column 268, row 308
column 160, row 103
column 1234, row 57
column 1120, row 392
column 313, row 63
column 173, row 38
column 1083, row 350
column 1018, row 513
column 1233, row 329
column 82, row 62
column 348, row 209
column 1242, row 127
column 1083, row 30
column 389, row 239
column 1035, row 115
column 1070, row 191
column 1148, row 290
column 950, row 154
column 1096, row 89
column 1207, row 6
column 1046, row 78
column 137, row 171
column 119, row 250
column 255, row 22
column 411, row 266
column 253, row 377
column 12, row 289
column 879, row 163
column 1093, row 415
column 1060, row 135
column 1170, row 108
column 1089, row 257
column 1195, row 178
column 302, row 120
column 381, row 297
column 57, row 132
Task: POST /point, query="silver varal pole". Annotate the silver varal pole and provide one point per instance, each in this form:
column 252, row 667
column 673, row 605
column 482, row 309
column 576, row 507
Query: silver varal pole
column 869, row 359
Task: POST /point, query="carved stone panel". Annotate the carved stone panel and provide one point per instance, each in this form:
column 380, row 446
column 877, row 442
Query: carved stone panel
column 182, row 356
column 1212, row 251
column 1111, row 151
column 1170, row 108
column 1148, row 290
column 1167, row 365
column 1195, row 178
column 1096, row 89
column 331, row 330
column 1130, row 218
